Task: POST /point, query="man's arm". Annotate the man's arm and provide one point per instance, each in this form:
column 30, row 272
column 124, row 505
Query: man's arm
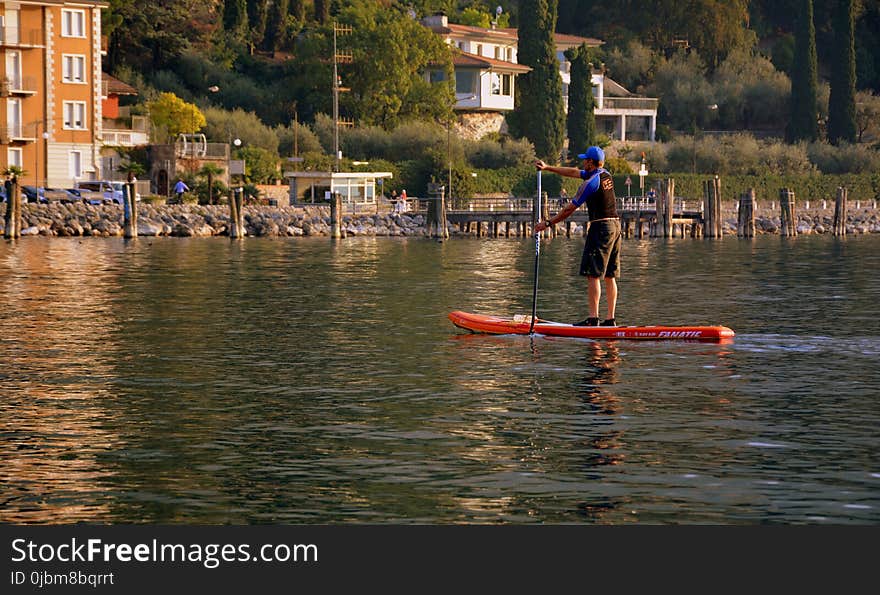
column 558, row 218
column 571, row 172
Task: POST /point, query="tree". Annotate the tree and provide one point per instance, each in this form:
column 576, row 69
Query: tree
column 257, row 13
column 322, row 11
column 131, row 169
column 804, row 109
column 867, row 116
column 391, row 53
column 581, row 121
column 275, row 24
column 235, row 16
column 539, row 114
column 842, row 104
column 297, row 9
column 750, row 92
column 712, row 27
column 209, row 171
column 684, row 92
column 260, row 166
column 171, row 114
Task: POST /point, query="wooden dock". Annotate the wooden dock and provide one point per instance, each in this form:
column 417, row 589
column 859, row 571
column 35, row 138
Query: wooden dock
column 513, row 217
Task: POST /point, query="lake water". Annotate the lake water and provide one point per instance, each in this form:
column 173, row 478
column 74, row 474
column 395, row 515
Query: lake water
column 176, row 380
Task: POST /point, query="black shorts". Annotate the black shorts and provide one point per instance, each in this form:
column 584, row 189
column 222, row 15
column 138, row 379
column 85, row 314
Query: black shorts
column 601, row 256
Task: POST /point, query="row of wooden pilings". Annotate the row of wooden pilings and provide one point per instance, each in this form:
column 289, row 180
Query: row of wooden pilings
column 745, row 227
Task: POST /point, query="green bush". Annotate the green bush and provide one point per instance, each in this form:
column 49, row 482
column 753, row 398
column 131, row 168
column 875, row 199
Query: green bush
column 806, row 187
column 618, row 165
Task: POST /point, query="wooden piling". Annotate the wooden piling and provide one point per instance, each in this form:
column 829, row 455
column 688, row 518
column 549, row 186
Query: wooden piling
column 712, row 208
column 839, row 226
column 787, row 212
column 436, row 218
column 665, row 208
column 129, row 211
column 13, row 210
column 236, row 215
column 336, row 216
column 745, row 225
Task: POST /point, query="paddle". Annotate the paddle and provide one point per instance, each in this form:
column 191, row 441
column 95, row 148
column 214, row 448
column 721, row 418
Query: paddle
column 538, row 212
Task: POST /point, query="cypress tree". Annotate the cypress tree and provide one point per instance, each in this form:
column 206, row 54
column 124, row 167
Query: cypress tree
column 539, row 107
column 257, row 11
column 842, row 103
column 297, row 9
column 234, row 16
column 275, row 24
column 581, row 121
column 322, row 11
column 803, row 124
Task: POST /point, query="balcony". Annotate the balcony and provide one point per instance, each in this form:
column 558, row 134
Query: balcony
column 16, row 37
column 14, row 134
column 18, row 85
column 630, row 103
column 125, row 131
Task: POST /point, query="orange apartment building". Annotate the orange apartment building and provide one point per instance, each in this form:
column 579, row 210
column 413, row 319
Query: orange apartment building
column 51, row 90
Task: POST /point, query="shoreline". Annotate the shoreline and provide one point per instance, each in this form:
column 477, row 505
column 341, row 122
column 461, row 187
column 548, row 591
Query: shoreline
column 81, row 220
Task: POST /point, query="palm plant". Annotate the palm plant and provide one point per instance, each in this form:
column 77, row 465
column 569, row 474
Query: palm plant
column 209, row 170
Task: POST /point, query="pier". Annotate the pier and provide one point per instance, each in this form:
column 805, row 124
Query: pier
column 495, row 217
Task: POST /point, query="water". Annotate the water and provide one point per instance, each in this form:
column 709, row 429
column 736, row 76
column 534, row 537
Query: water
column 304, row 381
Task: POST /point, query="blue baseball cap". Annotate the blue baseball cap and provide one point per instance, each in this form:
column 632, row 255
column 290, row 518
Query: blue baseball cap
column 594, row 153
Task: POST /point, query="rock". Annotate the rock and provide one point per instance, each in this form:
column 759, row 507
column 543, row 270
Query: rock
column 30, row 231
column 183, row 231
column 148, row 228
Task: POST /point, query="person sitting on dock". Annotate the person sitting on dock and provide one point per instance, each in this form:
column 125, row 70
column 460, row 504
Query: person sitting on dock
column 601, row 257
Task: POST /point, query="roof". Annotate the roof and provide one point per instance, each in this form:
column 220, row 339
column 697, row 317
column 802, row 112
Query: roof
column 498, row 35
column 511, row 35
column 615, row 89
column 565, row 40
column 117, row 87
column 466, row 60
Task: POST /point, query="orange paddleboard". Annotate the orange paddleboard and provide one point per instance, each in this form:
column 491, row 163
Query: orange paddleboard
column 520, row 325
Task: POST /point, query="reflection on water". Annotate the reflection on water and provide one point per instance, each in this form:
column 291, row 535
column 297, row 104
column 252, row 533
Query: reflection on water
column 272, row 381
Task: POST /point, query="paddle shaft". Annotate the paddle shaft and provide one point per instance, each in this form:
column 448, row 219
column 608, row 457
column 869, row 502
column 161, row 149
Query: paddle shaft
column 538, row 212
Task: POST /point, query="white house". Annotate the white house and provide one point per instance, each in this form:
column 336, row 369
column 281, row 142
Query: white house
column 486, row 68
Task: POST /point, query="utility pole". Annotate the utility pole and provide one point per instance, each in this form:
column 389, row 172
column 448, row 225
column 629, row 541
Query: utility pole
column 338, row 59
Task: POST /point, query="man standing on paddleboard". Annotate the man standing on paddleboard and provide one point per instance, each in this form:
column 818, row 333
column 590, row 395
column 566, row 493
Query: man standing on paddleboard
column 601, row 258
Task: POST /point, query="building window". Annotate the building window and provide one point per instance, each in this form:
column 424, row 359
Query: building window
column 14, row 158
column 76, row 170
column 74, row 115
column 507, row 84
column 479, row 51
column 500, row 84
column 73, row 23
column 509, row 53
column 466, row 82
column 73, row 69
column 436, row 76
column 497, row 52
column 13, row 117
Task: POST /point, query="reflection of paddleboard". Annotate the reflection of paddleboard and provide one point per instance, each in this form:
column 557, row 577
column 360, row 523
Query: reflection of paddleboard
column 519, row 325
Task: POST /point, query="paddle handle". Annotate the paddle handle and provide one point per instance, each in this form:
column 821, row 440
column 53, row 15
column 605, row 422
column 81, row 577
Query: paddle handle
column 538, row 212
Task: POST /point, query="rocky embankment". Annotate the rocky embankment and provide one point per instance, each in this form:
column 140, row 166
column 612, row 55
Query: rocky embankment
column 77, row 219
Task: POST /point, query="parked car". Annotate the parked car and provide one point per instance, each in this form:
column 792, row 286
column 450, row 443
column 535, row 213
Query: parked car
column 110, row 190
column 58, row 195
column 33, row 194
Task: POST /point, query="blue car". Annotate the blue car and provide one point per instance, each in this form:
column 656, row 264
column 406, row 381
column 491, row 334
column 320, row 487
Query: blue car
column 34, row 194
